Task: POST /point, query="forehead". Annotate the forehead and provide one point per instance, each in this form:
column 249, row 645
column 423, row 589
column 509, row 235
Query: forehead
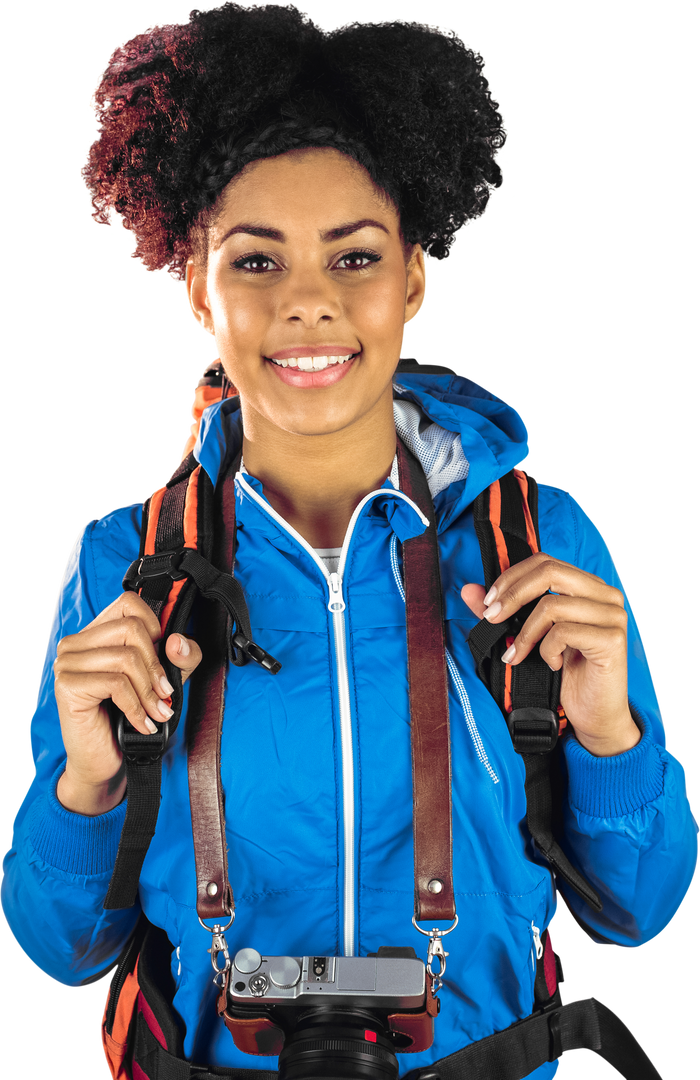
column 305, row 191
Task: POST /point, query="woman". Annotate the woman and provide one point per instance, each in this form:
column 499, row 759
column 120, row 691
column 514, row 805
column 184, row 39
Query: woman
column 300, row 240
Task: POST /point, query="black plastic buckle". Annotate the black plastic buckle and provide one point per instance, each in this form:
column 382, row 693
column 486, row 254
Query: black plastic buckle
column 533, row 730
column 163, row 564
column 141, row 749
column 555, row 1045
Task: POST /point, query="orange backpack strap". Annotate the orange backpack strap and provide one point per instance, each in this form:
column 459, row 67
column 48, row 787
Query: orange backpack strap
column 505, row 520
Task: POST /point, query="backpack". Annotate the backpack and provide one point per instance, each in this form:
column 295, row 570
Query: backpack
column 139, row 1034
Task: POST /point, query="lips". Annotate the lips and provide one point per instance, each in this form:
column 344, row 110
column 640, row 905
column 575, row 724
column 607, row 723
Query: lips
column 313, row 372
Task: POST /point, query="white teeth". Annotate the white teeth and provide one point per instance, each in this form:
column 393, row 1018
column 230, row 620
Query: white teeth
column 312, row 363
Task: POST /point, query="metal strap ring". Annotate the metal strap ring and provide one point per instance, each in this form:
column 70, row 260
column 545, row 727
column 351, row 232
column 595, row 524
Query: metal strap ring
column 434, row 932
column 218, row 929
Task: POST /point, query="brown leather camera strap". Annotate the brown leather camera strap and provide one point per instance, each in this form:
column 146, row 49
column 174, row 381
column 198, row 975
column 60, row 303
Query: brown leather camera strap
column 430, row 718
column 430, row 728
column 205, row 718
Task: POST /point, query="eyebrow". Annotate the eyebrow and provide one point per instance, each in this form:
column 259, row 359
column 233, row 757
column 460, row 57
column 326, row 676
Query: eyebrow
column 265, row 232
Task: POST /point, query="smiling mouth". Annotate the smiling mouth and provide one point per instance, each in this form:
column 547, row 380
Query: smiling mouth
column 312, row 363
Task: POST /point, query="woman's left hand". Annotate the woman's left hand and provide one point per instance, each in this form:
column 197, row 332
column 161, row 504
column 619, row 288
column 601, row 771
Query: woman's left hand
column 581, row 626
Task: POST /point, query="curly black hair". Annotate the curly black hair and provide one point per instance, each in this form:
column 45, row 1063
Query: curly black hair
column 183, row 109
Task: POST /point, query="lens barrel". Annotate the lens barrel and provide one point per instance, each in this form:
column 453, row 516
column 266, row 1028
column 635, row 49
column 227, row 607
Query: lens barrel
column 331, row 1044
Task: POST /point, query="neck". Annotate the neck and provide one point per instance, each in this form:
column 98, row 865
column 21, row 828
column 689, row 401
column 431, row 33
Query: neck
column 316, row 481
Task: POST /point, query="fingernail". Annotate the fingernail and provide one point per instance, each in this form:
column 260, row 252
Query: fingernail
column 509, row 655
column 151, row 726
column 490, row 596
column 184, row 649
column 165, row 686
column 493, row 611
column 163, row 708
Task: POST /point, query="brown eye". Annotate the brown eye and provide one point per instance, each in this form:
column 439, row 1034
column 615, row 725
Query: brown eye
column 357, row 260
column 255, row 264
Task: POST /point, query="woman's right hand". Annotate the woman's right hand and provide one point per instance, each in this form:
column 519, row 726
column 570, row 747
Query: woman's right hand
column 114, row 657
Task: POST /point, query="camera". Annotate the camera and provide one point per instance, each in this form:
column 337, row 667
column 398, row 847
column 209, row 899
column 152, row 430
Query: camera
column 331, row 1017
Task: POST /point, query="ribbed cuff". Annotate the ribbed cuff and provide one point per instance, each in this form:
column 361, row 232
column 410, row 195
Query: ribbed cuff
column 72, row 842
column 614, row 786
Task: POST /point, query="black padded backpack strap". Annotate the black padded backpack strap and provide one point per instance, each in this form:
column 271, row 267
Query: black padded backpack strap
column 168, row 516
column 173, row 566
column 505, row 520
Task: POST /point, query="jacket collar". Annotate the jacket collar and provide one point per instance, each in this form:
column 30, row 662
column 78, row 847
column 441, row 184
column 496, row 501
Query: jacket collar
column 487, row 438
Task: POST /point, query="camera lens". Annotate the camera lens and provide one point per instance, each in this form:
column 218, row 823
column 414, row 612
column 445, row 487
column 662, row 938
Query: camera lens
column 338, row 1045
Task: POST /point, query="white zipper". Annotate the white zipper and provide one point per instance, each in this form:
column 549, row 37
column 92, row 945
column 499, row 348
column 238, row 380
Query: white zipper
column 336, row 606
column 539, row 948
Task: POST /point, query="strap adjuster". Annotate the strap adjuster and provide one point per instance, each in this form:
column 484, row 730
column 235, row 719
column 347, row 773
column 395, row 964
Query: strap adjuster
column 533, row 730
column 141, row 749
column 163, row 564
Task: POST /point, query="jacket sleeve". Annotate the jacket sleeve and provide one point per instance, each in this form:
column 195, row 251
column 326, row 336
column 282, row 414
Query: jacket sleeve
column 627, row 822
column 58, row 870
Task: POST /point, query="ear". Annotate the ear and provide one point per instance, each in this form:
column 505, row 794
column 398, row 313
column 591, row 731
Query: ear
column 196, row 281
column 416, row 284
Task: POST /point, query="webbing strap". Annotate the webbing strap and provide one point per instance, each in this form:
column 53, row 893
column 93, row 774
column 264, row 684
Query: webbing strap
column 512, row 1054
column 142, row 805
column 516, row 1052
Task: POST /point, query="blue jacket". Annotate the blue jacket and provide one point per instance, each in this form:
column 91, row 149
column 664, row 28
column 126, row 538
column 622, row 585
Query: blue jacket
column 320, row 841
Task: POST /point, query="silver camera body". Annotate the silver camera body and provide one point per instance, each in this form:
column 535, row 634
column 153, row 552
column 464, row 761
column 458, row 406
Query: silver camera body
column 379, row 982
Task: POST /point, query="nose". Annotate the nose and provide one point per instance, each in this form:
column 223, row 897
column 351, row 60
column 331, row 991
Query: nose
column 310, row 298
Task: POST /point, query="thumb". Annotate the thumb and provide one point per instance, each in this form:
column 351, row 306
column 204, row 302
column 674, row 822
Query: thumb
column 473, row 596
column 184, row 653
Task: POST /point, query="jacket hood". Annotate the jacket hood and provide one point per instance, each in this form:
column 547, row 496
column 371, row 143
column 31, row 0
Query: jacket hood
column 464, row 437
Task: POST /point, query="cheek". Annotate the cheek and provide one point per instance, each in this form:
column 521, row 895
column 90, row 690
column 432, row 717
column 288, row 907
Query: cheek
column 378, row 311
column 239, row 315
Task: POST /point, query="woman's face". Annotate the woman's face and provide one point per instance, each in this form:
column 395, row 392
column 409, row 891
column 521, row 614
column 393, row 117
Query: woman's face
column 307, row 266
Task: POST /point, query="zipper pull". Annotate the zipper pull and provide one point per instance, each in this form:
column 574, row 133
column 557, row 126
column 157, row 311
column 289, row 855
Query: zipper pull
column 335, row 589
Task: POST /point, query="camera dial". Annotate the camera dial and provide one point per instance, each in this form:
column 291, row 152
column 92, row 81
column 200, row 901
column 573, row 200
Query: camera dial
column 247, row 961
column 285, row 971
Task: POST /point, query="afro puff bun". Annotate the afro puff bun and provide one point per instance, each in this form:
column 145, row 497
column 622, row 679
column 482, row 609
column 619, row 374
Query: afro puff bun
column 183, row 109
